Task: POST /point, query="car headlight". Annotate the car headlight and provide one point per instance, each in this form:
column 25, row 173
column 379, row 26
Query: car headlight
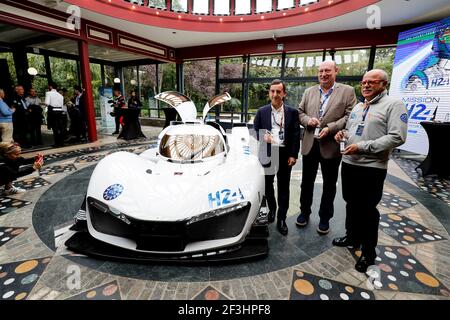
column 217, row 212
column 112, row 211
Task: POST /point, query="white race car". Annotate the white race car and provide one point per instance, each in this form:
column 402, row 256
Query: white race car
column 199, row 195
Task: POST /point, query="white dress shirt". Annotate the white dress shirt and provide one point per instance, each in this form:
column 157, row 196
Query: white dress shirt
column 55, row 99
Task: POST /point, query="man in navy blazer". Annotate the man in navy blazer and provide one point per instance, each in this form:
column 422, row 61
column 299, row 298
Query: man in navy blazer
column 277, row 128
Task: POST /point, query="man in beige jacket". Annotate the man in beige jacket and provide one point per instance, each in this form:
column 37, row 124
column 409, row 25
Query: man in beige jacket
column 323, row 111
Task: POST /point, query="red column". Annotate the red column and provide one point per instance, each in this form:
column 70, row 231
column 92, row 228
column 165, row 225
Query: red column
column 83, row 51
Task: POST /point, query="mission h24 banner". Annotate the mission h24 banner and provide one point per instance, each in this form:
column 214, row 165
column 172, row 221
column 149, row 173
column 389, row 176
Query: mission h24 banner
column 421, row 79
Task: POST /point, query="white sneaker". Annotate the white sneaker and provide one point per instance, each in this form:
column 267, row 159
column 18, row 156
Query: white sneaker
column 13, row 190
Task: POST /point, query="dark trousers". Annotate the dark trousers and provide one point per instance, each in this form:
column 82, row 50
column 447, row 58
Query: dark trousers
column 362, row 189
column 117, row 120
column 330, row 170
column 283, row 179
column 58, row 120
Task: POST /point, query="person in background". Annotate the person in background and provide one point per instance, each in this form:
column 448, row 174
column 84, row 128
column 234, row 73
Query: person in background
column 119, row 104
column 34, row 115
column 375, row 127
column 20, row 123
column 13, row 166
column 134, row 101
column 56, row 114
column 6, row 125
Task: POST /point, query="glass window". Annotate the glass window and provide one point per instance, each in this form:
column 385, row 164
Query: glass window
column 234, row 105
column 160, row 4
column 357, row 86
column 242, row 7
column 263, row 6
column 200, row 81
column 305, row 2
column 147, row 77
column 167, row 77
column 109, row 76
column 295, row 92
column 11, row 66
column 201, row 6
column 384, row 59
column 37, row 61
column 265, row 66
column 352, row 62
column 230, row 68
column 258, row 96
column 302, row 64
column 64, row 73
column 285, row 4
column 221, row 7
column 179, row 5
column 96, row 78
column 129, row 80
column 40, row 84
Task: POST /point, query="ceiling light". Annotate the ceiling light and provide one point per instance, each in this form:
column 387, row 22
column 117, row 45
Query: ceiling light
column 116, row 80
column 32, row 71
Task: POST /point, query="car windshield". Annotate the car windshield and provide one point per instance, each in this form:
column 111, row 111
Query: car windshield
column 190, row 147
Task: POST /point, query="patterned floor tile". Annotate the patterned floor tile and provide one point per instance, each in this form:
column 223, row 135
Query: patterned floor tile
column 108, row 291
column 437, row 186
column 87, row 159
column 32, row 183
column 8, row 205
column 306, row 286
column 57, row 169
column 397, row 269
column 17, row 279
column 9, row 233
column 210, row 293
column 407, row 231
column 395, row 203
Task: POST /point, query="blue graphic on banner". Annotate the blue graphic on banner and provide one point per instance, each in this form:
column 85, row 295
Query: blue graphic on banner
column 112, row 192
column 421, row 79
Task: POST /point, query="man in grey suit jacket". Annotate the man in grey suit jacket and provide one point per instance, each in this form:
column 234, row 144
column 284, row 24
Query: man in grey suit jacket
column 323, row 111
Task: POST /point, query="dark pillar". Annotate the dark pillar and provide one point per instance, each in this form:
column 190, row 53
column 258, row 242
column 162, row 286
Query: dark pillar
column 83, row 51
column 180, row 77
column 21, row 63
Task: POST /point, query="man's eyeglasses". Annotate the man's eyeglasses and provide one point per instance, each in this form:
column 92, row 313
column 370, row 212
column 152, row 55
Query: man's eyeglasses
column 371, row 82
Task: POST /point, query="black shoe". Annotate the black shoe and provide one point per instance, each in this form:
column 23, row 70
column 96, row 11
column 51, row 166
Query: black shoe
column 302, row 220
column 115, row 132
column 282, row 227
column 323, row 227
column 345, row 242
column 271, row 216
column 363, row 263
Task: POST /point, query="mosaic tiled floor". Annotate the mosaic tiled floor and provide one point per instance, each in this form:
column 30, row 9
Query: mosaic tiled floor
column 90, row 158
column 109, row 291
column 306, row 286
column 395, row 203
column 407, row 231
column 398, row 270
column 210, row 293
column 437, row 186
column 31, row 183
column 47, row 171
column 9, row 233
column 17, row 279
column 8, row 205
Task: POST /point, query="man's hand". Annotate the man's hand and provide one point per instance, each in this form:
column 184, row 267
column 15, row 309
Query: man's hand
column 351, row 149
column 267, row 138
column 339, row 136
column 324, row 132
column 313, row 122
column 292, row 161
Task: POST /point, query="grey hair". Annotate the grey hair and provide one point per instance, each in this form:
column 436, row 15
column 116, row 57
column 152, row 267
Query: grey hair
column 332, row 61
column 383, row 74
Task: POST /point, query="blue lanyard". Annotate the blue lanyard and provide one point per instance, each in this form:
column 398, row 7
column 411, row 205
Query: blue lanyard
column 322, row 102
column 366, row 110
